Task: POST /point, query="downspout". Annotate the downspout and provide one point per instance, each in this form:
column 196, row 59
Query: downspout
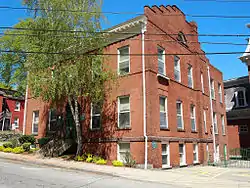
column 211, row 109
column 143, row 30
column 25, row 109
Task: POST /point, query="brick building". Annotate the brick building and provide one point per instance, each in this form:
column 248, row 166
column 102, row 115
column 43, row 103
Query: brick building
column 164, row 107
column 11, row 111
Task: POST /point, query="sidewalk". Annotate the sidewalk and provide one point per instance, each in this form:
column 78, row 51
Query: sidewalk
column 186, row 177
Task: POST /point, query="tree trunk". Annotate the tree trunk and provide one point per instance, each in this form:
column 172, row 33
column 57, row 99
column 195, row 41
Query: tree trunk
column 75, row 112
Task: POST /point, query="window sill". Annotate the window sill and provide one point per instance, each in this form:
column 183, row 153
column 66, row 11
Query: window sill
column 224, row 135
column 165, row 167
column 16, row 110
column 120, row 129
column 206, row 132
column 123, row 75
column 181, row 130
column 196, row 163
column 216, row 134
column 163, row 76
column 164, row 129
column 183, row 165
column 194, row 131
column 35, row 134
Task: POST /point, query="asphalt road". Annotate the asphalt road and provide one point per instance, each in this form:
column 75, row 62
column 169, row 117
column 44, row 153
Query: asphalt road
column 22, row 175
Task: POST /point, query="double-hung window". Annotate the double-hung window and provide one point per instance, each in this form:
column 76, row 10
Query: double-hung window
column 215, row 123
column 17, row 106
column 35, row 122
column 165, row 155
column 52, row 120
column 195, row 153
column 241, row 97
column 16, row 122
column 95, row 116
column 163, row 113
column 205, row 120
column 190, row 76
column 212, row 88
column 223, row 125
column 123, row 148
column 243, row 129
column 220, row 92
column 202, row 83
column 161, row 61
column 192, row 117
column 123, row 60
column 182, row 154
column 124, row 112
column 177, row 69
column 179, row 113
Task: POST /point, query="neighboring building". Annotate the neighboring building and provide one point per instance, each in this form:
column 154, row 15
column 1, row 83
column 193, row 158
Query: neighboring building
column 171, row 110
column 11, row 111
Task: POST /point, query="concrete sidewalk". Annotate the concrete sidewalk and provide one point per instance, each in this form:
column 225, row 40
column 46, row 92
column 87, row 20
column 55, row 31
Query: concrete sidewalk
column 186, row 177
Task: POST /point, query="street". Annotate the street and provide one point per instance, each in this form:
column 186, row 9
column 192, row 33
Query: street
column 23, row 175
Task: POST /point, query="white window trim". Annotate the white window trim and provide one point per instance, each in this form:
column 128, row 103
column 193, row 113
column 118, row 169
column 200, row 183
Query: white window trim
column 118, row 150
column 244, row 95
column 220, row 92
column 216, row 131
column 212, row 92
column 202, row 83
column 95, row 115
column 124, row 112
column 223, row 127
column 207, row 150
column 217, row 152
column 192, row 107
column 168, row 154
column 33, row 115
column 181, row 116
column 191, row 75
column 166, row 111
column 205, row 120
column 19, row 106
column 197, row 153
column 164, row 62
column 178, row 68
column 118, row 60
column 184, row 163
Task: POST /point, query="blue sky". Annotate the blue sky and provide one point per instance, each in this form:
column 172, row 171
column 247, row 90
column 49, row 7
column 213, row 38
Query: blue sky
column 230, row 65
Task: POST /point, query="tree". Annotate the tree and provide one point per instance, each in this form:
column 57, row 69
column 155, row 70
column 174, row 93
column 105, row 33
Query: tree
column 68, row 64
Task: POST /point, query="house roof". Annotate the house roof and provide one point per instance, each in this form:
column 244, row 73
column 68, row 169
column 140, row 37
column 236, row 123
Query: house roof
column 236, row 81
column 8, row 93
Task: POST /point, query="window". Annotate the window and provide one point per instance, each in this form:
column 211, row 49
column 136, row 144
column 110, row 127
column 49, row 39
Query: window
column 163, row 113
column 192, row 117
column 195, row 153
column 124, row 112
column 165, row 155
column 52, row 120
column 217, row 152
column 182, row 154
column 181, row 38
column 179, row 113
column 123, row 60
column 35, row 122
column 16, row 122
column 223, row 125
column 205, row 120
column 220, row 92
column 17, row 106
column 243, row 129
column 95, row 116
column 177, row 69
column 123, row 148
column 202, row 83
column 225, row 151
column 190, row 76
column 215, row 123
column 161, row 61
column 241, row 98
column 212, row 88
column 207, row 150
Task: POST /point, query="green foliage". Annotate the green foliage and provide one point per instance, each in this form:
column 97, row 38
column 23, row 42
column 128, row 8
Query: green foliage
column 79, row 158
column 128, row 160
column 32, row 150
column 96, row 158
column 18, row 150
column 1, row 148
column 15, row 142
column 8, row 145
column 101, row 162
column 43, row 141
column 27, row 139
column 7, row 150
column 117, row 163
column 89, row 159
column 26, row 146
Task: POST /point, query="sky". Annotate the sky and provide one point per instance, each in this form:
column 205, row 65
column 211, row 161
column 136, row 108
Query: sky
column 229, row 65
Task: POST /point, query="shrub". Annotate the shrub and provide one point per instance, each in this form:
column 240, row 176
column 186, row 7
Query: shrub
column 26, row 146
column 32, row 150
column 15, row 142
column 8, row 145
column 1, row 148
column 27, row 139
column 79, row 158
column 128, row 160
column 18, row 150
column 101, row 162
column 117, row 163
column 89, row 160
column 7, row 150
column 43, row 141
column 96, row 158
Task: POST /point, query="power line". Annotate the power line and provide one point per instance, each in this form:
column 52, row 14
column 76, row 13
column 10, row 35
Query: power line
column 125, row 33
column 134, row 54
column 130, row 13
column 147, row 40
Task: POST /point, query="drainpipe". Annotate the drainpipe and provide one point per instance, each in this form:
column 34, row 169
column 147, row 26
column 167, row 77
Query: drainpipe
column 25, row 109
column 211, row 109
column 143, row 30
